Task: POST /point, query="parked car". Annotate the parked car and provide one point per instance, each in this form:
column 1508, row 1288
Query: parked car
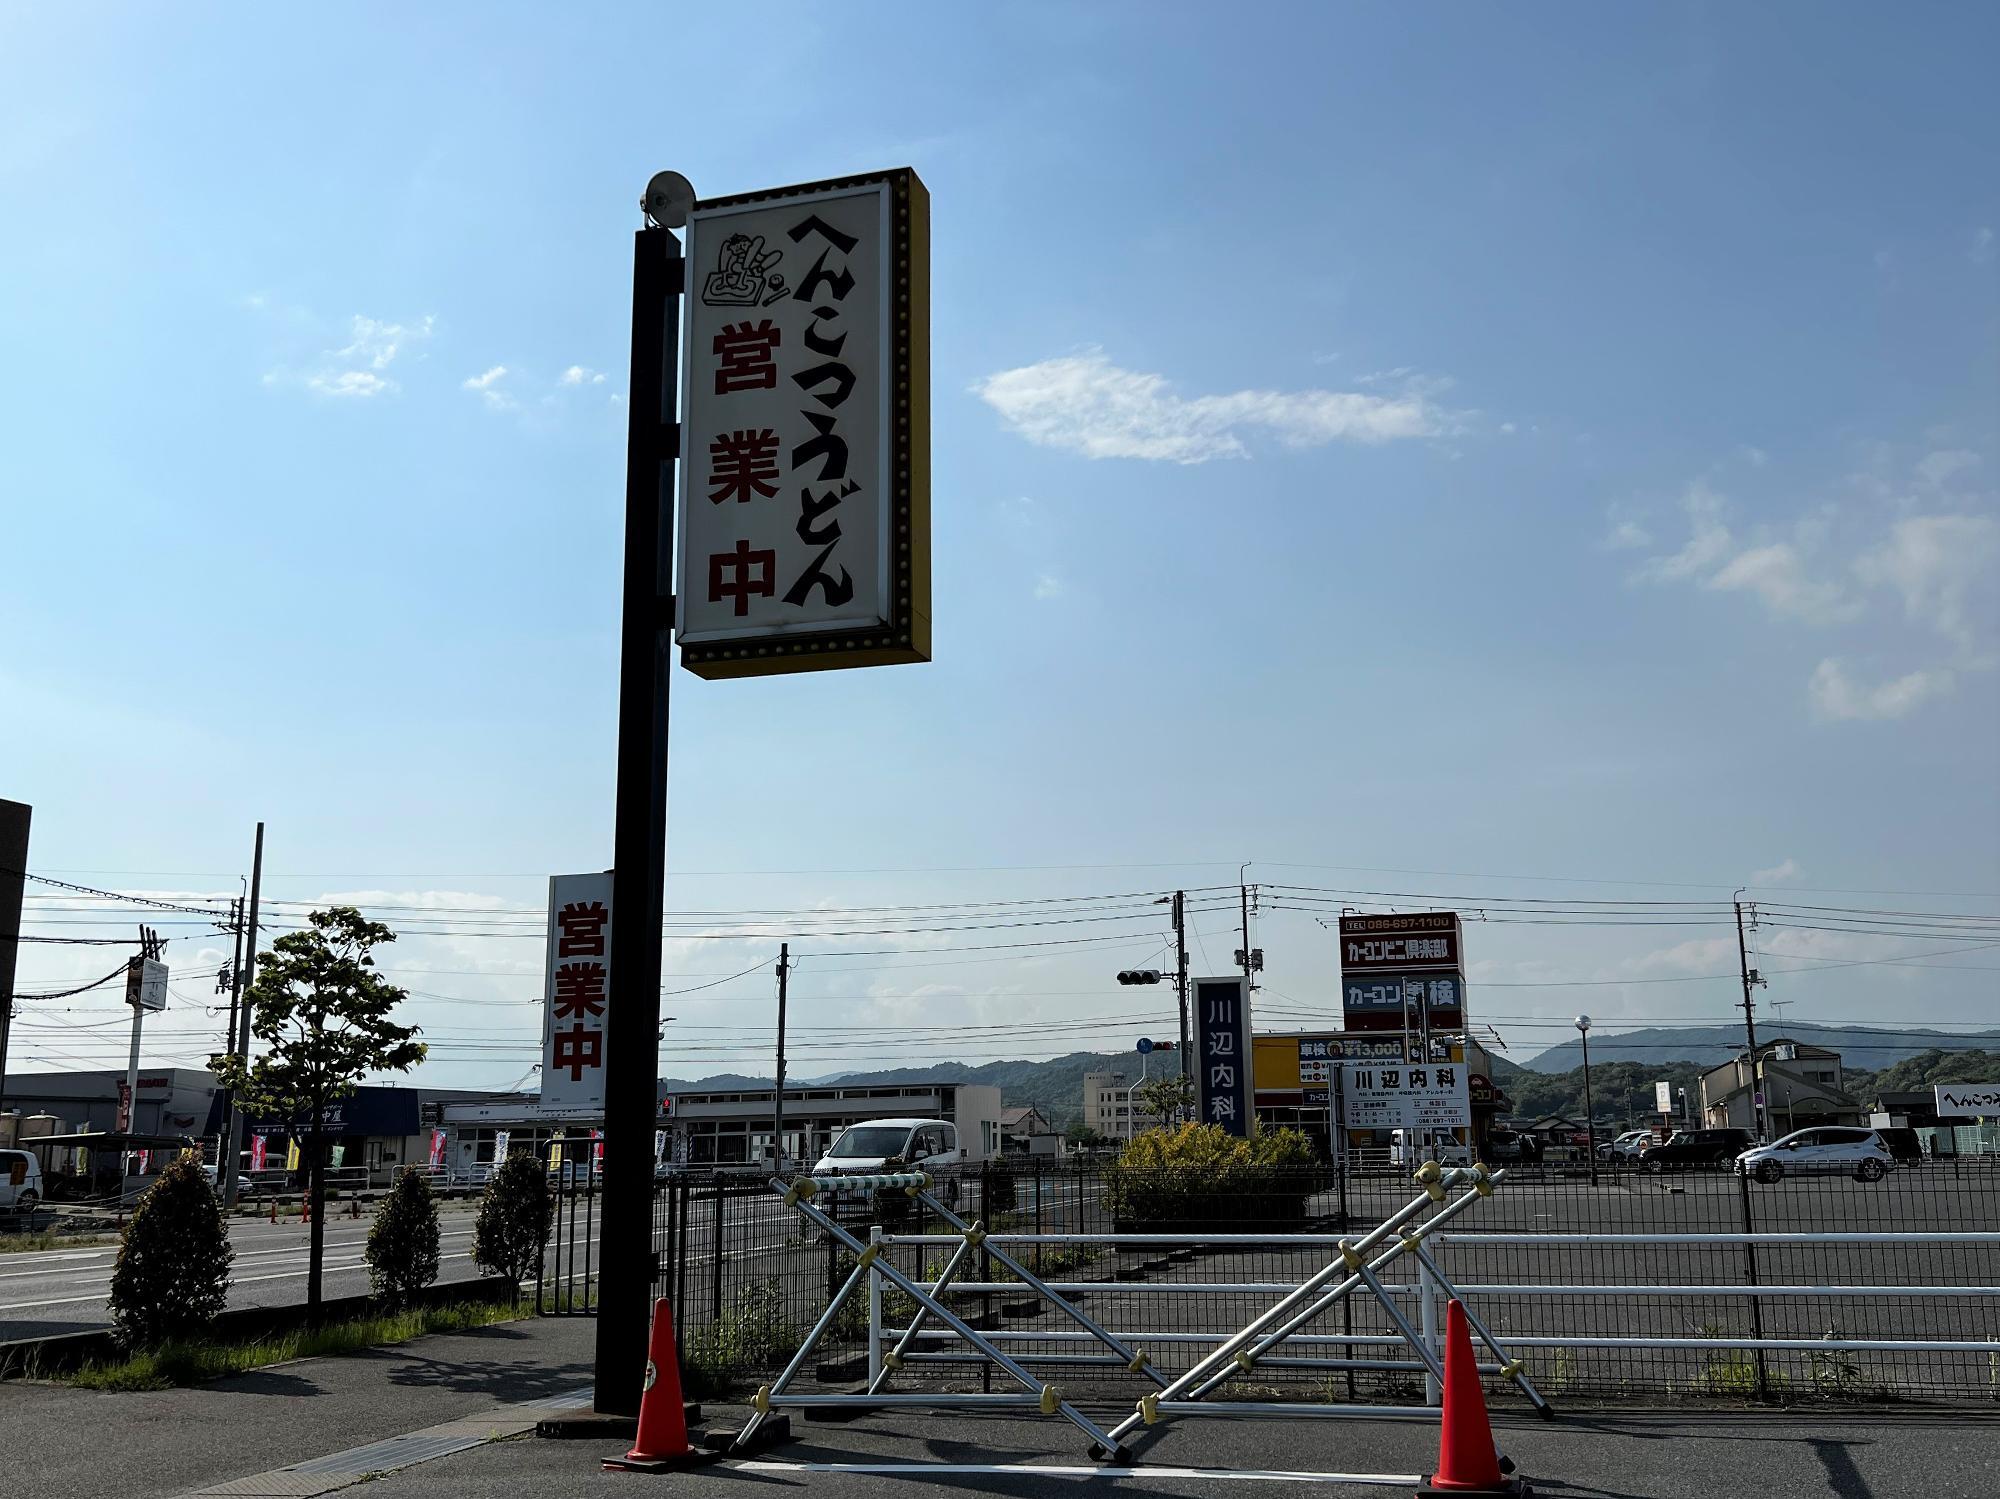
column 20, row 1184
column 1825, row 1151
column 1904, row 1144
column 911, row 1144
column 1511, row 1145
column 1689, row 1149
column 1626, row 1147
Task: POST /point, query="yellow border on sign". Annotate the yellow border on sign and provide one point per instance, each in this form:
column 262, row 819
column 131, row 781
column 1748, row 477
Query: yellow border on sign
column 907, row 637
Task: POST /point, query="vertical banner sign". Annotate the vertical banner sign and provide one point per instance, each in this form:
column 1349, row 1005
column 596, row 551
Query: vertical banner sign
column 292, row 1153
column 260, row 1148
column 437, row 1149
column 805, row 461
column 577, row 996
column 1222, row 1053
column 501, row 1138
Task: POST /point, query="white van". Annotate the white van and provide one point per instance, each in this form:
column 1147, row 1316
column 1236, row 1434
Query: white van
column 918, row 1144
column 20, row 1183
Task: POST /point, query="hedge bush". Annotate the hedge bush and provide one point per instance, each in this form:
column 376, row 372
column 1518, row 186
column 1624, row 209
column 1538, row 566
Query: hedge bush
column 402, row 1248
column 515, row 1216
column 1196, row 1177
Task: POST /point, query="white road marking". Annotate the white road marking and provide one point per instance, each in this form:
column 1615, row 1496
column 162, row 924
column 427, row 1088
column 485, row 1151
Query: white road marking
column 1043, row 1470
column 237, row 1280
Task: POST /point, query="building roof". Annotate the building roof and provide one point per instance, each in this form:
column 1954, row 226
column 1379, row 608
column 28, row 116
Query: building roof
column 1021, row 1113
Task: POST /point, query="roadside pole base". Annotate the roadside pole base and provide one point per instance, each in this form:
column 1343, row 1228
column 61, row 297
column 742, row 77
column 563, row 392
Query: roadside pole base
column 1513, row 1488
column 1112, row 1457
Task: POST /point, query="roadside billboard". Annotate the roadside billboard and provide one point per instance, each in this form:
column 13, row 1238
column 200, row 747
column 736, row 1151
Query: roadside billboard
column 1397, row 1095
column 804, row 507
column 1967, row 1100
column 576, row 996
column 1401, row 962
column 1223, row 1057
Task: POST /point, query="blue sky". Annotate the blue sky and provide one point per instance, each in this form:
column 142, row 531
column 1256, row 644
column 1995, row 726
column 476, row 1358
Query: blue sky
column 1366, row 439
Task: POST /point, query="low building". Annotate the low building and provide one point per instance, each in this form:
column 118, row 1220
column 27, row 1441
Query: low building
column 1801, row 1084
column 735, row 1127
column 1025, row 1130
column 1107, row 1104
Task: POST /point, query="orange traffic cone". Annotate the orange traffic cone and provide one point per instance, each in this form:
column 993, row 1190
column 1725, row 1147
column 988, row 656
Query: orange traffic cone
column 663, row 1435
column 1467, row 1461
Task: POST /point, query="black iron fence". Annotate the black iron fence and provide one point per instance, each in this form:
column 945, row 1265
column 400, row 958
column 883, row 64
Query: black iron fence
column 1911, row 1260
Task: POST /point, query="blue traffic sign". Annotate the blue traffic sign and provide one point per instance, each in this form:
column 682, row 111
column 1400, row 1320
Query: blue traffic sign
column 1144, row 1046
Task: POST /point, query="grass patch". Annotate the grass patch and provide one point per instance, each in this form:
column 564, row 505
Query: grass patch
column 197, row 1361
column 51, row 1238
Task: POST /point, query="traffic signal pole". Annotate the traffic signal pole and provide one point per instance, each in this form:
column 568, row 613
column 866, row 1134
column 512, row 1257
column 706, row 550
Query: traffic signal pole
column 1180, row 976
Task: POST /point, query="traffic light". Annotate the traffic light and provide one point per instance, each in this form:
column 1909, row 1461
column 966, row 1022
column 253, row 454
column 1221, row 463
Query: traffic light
column 1139, row 976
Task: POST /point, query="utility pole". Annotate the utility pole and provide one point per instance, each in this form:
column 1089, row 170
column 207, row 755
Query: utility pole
column 229, row 1031
column 246, row 973
column 1181, row 977
column 14, row 819
column 778, row 1096
column 1750, row 982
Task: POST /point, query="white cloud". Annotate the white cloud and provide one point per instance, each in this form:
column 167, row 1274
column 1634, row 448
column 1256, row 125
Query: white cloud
column 1709, row 541
column 1777, row 874
column 1627, row 536
column 489, row 389
column 1938, row 563
column 1048, row 586
column 1777, row 575
column 1935, row 468
column 376, row 343
column 1086, row 404
column 355, row 369
column 1837, row 696
column 1982, row 245
column 580, row 374
column 348, row 383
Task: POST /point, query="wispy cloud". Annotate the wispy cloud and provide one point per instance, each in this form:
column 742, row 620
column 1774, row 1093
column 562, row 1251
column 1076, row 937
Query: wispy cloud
column 1048, row 586
column 1938, row 563
column 355, row 369
column 489, row 389
column 580, row 374
column 1086, row 404
column 1777, row 874
column 1982, row 245
column 1837, row 696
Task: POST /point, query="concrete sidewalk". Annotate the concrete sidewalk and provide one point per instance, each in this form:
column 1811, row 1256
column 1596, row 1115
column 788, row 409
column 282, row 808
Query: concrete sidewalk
column 78, row 1444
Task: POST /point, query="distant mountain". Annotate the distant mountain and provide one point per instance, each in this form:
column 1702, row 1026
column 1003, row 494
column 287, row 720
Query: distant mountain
column 1860, row 1046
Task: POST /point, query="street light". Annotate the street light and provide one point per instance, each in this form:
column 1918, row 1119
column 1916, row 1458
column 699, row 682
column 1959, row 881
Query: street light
column 1589, row 1129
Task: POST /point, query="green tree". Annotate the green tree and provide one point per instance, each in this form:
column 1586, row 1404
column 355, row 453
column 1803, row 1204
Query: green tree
column 1928, row 1068
column 403, row 1241
column 1167, row 1099
column 323, row 1014
column 172, row 1274
column 514, row 1220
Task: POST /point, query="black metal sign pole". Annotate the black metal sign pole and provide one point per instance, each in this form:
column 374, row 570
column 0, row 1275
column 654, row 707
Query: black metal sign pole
column 638, row 888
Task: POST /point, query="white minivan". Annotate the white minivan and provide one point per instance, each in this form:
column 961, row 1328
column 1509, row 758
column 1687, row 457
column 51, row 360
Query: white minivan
column 20, row 1183
column 916, row 1144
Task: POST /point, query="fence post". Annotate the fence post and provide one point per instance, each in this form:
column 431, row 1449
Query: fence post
column 874, row 1312
column 683, row 1190
column 1038, row 1217
column 1427, row 1307
column 1750, row 1271
column 715, row 1237
column 986, row 1270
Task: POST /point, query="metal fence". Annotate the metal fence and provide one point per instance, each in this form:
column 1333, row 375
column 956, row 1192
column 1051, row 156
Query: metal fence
column 1634, row 1287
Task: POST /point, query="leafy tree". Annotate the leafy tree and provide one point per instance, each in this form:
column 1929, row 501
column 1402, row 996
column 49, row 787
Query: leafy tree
column 322, row 1012
column 1928, row 1068
column 515, row 1216
column 403, row 1241
column 172, row 1274
column 1167, row 1099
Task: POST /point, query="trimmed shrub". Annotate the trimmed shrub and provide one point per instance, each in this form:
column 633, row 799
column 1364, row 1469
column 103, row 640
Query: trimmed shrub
column 172, row 1274
column 515, row 1216
column 1196, row 1177
column 403, row 1241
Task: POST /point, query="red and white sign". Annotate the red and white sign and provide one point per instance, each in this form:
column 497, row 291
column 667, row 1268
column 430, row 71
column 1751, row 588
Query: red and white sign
column 437, row 1148
column 259, row 1148
column 597, row 1148
column 578, row 996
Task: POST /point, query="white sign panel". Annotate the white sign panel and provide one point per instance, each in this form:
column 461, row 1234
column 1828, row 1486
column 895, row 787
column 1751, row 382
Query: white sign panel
column 1663, row 1097
column 577, row 996
column 805, row 446
column 1967, row 1100
column 1396, row 1095
column 146, row 984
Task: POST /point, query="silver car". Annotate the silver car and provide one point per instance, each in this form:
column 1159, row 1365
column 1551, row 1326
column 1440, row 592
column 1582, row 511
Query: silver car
column 1827, row 1150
